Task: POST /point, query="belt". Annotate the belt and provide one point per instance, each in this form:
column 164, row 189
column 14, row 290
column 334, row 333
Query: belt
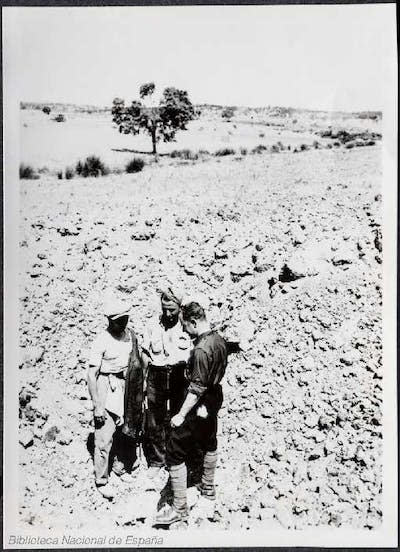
column 166, row 367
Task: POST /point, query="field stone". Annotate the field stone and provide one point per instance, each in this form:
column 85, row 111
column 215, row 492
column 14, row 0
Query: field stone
column 32, row 355
column 26, row 438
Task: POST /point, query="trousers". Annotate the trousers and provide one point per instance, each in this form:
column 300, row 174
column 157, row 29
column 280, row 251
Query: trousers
column 166, row 390
column 196, row 433
column 111, row 449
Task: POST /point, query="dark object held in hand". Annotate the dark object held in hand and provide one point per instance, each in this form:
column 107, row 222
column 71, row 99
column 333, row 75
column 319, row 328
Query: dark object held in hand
column 99, row 421
column 233, row 347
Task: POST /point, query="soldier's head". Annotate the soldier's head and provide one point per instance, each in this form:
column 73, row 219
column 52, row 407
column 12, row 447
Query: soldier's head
column 170, row 306
column 118, row 324
column 117, row 313
column 193, row 319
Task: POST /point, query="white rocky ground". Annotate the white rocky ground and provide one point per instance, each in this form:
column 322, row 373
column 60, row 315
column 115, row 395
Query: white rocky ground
column 288, row 247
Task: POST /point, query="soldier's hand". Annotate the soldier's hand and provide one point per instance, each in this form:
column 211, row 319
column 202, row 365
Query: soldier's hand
column 177, row 420
column 99, row 417
column 202, row 411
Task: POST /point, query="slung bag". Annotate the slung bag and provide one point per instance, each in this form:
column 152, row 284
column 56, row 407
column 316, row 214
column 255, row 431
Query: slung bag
column 133, row 398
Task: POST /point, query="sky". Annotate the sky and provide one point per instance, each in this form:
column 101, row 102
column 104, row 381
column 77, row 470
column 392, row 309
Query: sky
column 317, row 57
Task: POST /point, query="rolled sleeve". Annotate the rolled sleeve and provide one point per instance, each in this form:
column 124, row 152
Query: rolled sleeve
column 198, row 382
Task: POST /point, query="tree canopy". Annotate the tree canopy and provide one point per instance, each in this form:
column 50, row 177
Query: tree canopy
column 161, row 122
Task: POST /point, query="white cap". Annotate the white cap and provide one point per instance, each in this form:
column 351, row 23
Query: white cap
column 115, row 308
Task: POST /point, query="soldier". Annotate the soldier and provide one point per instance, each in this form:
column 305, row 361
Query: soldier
column 195, row 425
column 167, row 348
column 108, row 364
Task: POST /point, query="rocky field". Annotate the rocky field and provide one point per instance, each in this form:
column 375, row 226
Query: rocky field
column 288, row 247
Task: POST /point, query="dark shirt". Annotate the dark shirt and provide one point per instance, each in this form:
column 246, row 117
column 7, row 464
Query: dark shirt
column 207, row 363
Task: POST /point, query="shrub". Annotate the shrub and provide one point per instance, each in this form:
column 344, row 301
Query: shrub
column 46, row 109
column 261, row 135
column 275, row 148
column 92, row 166
column 304, row 147
column 27, row 172
column 259, row 149
column 59, row 175
column 228, row 113
column 60, row 118
column 203, row 152
column 243, row 151
column 224, row 151
column 184, row 154
column 316, row 144
column 135, row 165
column 69, row 173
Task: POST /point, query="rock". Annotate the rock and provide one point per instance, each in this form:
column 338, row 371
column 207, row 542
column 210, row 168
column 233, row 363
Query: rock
column 32, row 355
column 143, row 234
column 350, row 357
column 50, row 431
column 64, row 437
column 26, row 438
column 284, row 514
column 344, row 256
column 308, row 363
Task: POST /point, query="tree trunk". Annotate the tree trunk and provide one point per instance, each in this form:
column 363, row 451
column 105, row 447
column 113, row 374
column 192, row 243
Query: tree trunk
column 153, row 138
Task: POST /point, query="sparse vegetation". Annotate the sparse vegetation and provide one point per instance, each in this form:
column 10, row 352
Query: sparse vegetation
column 135, row 165
column 224, row 151
column 228, row 113
column 259, row 149
column 92, row 166
column 69, row 173
column 187, row 154
column 60, row 118
column 27, row 172
column 243, row 151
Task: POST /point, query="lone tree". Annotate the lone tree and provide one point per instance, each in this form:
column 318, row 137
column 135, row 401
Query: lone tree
column 161, row 121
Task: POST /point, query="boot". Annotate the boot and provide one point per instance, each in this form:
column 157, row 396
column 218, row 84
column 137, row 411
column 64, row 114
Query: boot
column 169, row 515
column 178, row 510
column 106, row 490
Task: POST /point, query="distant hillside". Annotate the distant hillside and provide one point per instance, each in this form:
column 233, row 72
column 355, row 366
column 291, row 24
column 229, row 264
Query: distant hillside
column 217, row 111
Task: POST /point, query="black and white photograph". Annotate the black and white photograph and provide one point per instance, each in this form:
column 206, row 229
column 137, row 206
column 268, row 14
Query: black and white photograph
column 200, row 210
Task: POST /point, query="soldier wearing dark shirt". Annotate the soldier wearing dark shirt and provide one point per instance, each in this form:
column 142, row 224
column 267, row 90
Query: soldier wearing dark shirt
column 195, row 425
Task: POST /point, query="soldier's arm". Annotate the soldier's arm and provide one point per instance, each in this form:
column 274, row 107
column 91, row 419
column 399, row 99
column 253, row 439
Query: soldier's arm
column 95, row 360
column 93, row 372
column 198, row 381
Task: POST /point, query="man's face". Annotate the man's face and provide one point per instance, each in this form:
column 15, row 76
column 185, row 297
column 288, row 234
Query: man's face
column 189, row 326
column 170, row 312
column 119, row 324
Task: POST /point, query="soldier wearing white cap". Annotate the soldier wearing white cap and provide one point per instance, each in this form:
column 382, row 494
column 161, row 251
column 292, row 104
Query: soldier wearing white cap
column 108, row 363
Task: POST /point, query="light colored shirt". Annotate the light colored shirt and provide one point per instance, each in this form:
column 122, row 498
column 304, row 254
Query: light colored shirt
column 111, row 356
column 166, row 346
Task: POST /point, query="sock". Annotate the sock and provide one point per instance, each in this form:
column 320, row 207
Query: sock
column 178, row 475
column 209, row 464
